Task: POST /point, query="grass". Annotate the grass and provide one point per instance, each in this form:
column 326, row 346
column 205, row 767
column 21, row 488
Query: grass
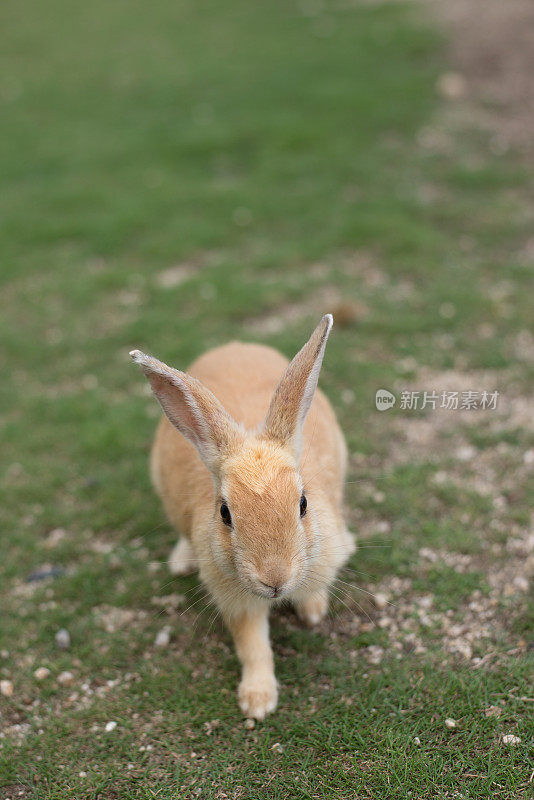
column 273, row 156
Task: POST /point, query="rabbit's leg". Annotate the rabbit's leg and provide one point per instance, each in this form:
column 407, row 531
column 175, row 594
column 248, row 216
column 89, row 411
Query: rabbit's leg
column 313, row 608
column 182, row 560
column 257, row 693
column 350, row 542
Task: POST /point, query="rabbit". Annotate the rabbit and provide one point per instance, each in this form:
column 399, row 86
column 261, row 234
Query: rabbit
column 249, row 462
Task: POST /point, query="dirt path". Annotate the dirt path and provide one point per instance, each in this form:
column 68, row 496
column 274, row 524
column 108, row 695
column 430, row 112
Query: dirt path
column 492, row 48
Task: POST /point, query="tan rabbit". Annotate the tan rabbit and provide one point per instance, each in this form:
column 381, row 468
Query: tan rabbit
column 257, row 499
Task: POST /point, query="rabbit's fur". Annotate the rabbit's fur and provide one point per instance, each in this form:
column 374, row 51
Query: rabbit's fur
column 215, row 446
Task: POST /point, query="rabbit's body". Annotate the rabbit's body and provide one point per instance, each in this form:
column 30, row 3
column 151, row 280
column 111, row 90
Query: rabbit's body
column 258, row 471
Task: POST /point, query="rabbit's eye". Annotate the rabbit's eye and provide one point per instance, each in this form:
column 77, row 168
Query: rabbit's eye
column 225, row 514
column 303, row 505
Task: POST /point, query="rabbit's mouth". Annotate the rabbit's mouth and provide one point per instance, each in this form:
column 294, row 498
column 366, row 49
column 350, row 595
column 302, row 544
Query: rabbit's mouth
column 275, row 590
column 271, row 591
column 265, row 591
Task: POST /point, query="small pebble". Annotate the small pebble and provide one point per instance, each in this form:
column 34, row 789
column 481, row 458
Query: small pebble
column 210, row 726
column 521, row 583
column 451, row 723
column 416, row 740
column 110, row 726
column 65, row 678
column 82, row 774
column 163, row 637
column 348, row 312
column 452, row 85
column 466, row 453
column 509, row 738
column 250, row 724
column 44, row 573
column 62, row 639
column 380, row 600
column 382, row 526
column 54, row 537
column 375, row 653
column 41, row 673
column 6, row 688
column 277, row 747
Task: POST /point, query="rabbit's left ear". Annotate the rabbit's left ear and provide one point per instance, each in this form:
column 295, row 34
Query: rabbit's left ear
column 192, row 409
column 293, row 395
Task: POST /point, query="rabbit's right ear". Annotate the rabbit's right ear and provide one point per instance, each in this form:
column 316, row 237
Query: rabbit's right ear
column 192, row 409
column 294, row 394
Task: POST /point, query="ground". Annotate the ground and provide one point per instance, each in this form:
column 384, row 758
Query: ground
column 176, row 175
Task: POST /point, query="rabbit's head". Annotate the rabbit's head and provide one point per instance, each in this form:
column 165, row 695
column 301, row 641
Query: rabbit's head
column 261, row 530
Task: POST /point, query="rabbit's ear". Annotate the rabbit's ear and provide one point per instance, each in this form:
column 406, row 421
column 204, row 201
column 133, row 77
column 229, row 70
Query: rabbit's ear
column 294, row 394
column 192, row 409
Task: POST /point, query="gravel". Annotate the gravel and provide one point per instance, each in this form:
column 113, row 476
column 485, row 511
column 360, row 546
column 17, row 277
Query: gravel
column 62, row 639
column 41, row 673
column 163, row 637
column 65, row 678
column 511, row 739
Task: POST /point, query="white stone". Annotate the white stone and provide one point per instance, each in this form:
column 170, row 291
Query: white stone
column 62, row 639
column 6, row 688
column 428, row 554
column 465, row 453
column 452, row 85
column 382, row 526
column 375, row 653
column 521, row 583
column 41, row 673
column 451, row 723
column 380, row 600
column 55, row 537
column 163, row 637
column 510, row 739
column 110, row 726
column 65, row 678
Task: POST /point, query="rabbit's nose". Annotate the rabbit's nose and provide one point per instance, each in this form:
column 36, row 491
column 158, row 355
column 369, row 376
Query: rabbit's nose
column 274, row 578
column 274, row 589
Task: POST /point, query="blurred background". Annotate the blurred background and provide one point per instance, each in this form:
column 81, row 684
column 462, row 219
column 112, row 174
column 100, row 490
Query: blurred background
column 177, row 174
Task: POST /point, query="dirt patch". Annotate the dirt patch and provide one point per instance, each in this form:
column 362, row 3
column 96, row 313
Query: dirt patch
column 327, row 298
column 491, row 47
column 13, row 791
column 439, row 426
column 499, row 473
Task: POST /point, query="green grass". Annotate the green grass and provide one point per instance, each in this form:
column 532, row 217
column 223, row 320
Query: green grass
column 274, row 152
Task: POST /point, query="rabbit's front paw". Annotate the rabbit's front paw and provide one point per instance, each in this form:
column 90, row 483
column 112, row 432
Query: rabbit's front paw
column 258, row 695
column 183, row 560
column 312, row 609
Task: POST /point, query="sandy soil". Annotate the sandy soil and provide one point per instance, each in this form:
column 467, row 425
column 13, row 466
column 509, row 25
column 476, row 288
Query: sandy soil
column 492, row 48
